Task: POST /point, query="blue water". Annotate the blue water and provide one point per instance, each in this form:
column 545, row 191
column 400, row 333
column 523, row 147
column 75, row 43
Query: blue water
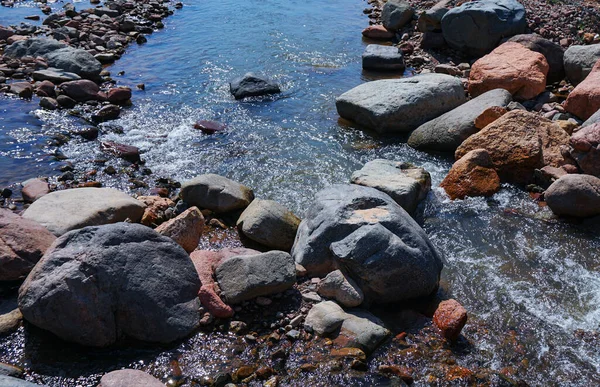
column 517, row 273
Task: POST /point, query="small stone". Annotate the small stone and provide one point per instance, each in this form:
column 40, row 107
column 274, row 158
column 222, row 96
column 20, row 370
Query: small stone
column 293, row 334
column 450, row 317
column 311, row 297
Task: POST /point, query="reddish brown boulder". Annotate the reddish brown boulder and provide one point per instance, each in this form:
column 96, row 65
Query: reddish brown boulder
column 489, row 115
column 584, row 149
column 450, row 317
column 378, row 32
column 518, row 143
column 22, row 243
column 209, row 127
column 472, row 175
column 126, row 152
column 155, row 209
column 45, row 89
column 213, row 303
column 584, row 100
column 185, row 229
column 119, row 95
column 33, row 189
column 81, row 90
column 510, row 66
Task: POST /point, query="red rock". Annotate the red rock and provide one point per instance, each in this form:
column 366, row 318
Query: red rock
column 209, row 127
column 378, row 32
column 584, row 100
column 5, row 33
column 80, row 90
column 185, row 229
column 155, row 208
column 23, row 242
column 450, row 317
column 126, row 152
column 584, row 149
column 119, row 95
column 403, row 373
column 213, row 303
column 489, row 115
column 510, row 66
column 22, row 89
column 33, row 189
column 472, row 175
column 47, row 88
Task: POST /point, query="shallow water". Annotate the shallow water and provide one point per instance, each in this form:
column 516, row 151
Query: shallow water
column 531, row 284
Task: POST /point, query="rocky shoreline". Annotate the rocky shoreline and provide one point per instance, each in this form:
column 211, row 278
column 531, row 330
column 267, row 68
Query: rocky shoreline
column 353, row 289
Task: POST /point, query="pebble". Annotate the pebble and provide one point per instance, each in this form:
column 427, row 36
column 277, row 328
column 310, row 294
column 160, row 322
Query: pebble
column 311, row 297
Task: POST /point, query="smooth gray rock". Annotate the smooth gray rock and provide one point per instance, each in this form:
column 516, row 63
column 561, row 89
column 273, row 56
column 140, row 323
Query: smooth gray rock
column 56, row 76
column 401, row 105
column 341, row 288
column 76, row 61
column 446, row 132
column 216, row 193
column 8, row 381
column 371, row 239
column 252, row 85
column 270, row 224
column 63, row 211
column 99, row 284
column 325, row 317
column 245, row 277
column 406, row 184
column 595, row 118
column 363, row 330
column 477, row 27
column 378, row 57
column 579, row 60
column 396, row 14
column 129, row 378
column 574, row 195
column 553, row 53
column 33, row 47
column 431, row 19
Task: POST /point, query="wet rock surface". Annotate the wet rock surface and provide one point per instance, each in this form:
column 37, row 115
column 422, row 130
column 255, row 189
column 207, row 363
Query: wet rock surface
column 216, row 193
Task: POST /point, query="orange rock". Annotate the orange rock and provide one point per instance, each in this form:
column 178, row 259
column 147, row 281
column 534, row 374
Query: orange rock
column 450, row 317
column 472, row 175
column 378, row 32
column 510, row 66
column 489, row 115
column 584, row 100
column 213, row 303
column 155, row 206
column 518, row 143
column 185, row 229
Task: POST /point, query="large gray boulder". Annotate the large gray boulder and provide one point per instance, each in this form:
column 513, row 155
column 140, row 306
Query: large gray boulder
column 244, row 277
column 23, row 242
column 400, row 105
column 553, row 53
column 579, row 60
column 75, row 60
column 373, row 240
column 396, row 14
column 216, row 193
column 33, row 47
column 129, row 378
column 378, row 57
column 97, row 285
column 63, row 211
column 477, row 27
column 406, row 184
column 574, row 195
column 595, row 118
column 270, row 224
column 446, row 132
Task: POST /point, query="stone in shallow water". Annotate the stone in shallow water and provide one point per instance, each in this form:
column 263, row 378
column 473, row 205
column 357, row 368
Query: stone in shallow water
column 382, row 58
column 252, row 85
column 574, row 195
column 450, row 317
column 216, row 193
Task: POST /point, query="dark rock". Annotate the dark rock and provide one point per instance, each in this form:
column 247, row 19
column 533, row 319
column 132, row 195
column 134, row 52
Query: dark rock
column 22, row 89
column 579, row 60
column 126, row 152
column 81, row 90
column 209, row 127
column 251, row 85
column 49, row 103
column 107, row 113
column 75, row 61
column 99, row 284
column 119, row 95
column 382, row 58
column 396, row 14
column 66, row 102
column 33, row 47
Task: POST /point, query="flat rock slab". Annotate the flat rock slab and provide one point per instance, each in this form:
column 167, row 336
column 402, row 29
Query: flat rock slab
column 382, row 58
column 216, row 193
column 98, row 285
column 63, row 211
column 129, row 378
column 449, row 130
column 406, row 184
column 477, row 27
column 23, row 242
column 245, row 277
column 400, row 105
column 252, row 85
column 56, row 76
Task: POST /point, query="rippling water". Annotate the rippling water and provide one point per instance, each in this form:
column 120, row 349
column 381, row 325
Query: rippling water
column 531, row 284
